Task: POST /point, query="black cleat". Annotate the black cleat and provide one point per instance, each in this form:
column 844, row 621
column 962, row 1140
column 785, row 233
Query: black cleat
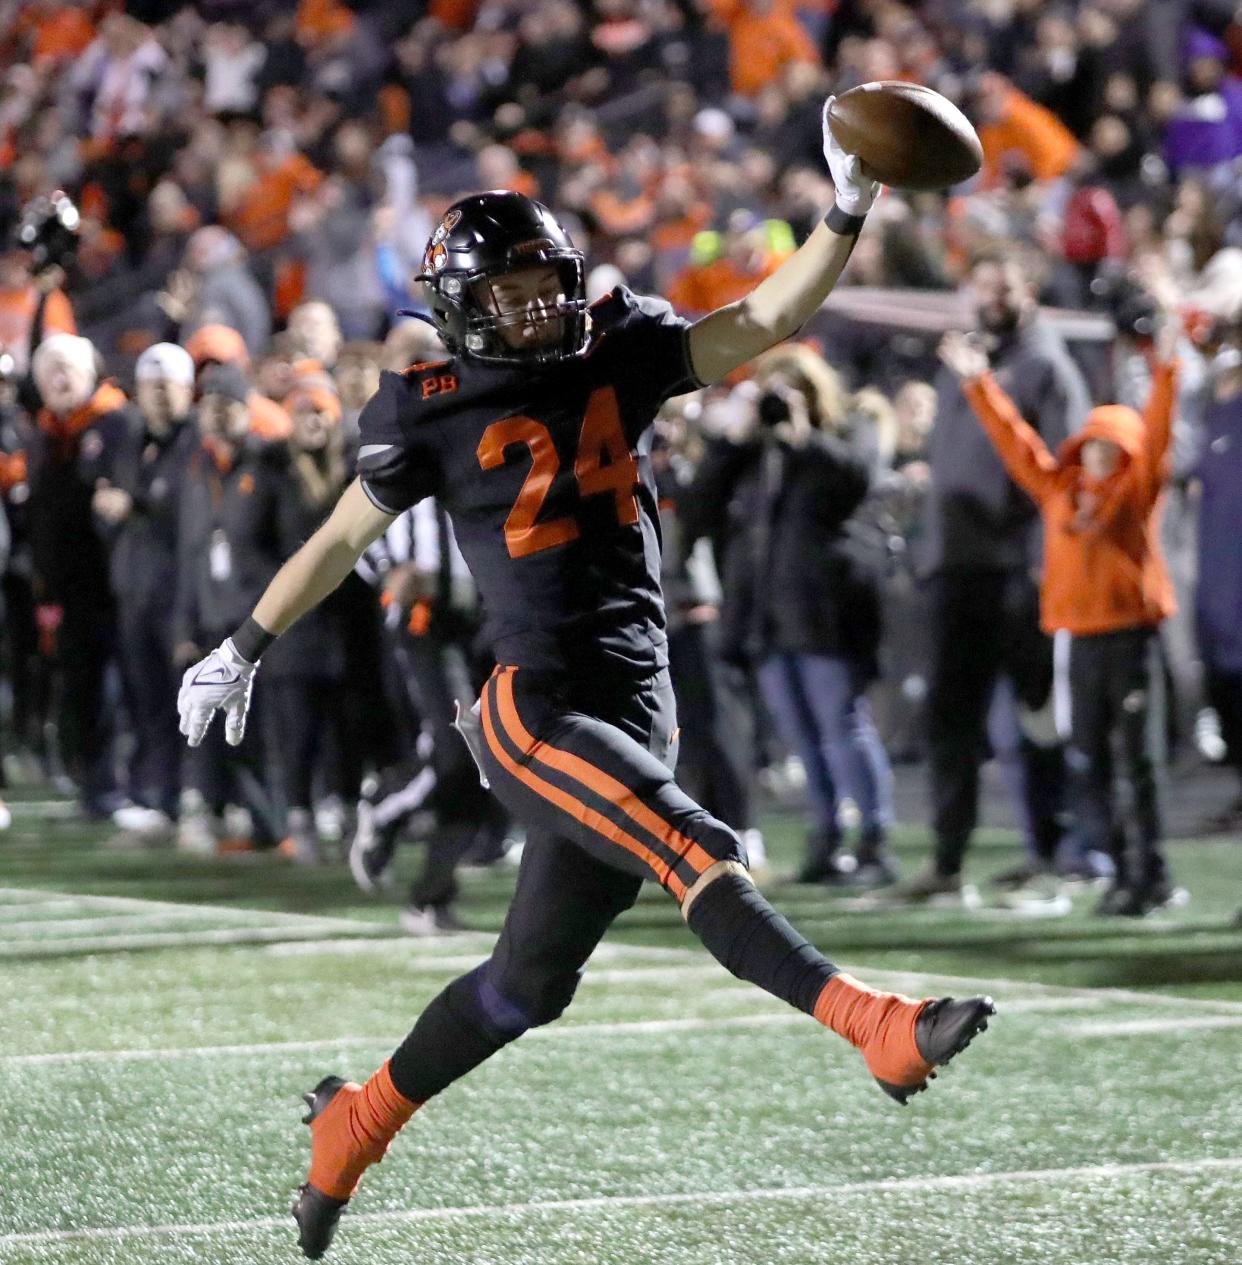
column 317, row 1214
column 943, row 1029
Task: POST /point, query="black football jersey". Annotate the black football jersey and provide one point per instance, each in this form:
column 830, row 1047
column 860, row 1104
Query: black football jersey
column 546, row 475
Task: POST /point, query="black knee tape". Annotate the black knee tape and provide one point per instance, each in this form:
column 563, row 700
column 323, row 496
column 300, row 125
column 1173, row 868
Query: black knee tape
column 543, row 997
column 465, row 1025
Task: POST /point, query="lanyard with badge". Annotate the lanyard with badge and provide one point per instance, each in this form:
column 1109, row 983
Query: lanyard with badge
column 219, row 551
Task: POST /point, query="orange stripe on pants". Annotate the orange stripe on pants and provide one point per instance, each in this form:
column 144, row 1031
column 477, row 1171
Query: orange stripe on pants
column 593, row 820
column 595, row 779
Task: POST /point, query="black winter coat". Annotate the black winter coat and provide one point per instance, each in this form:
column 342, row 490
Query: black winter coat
column 794, row 577
column 144, row 550
column 69, row 545
column 229, row 542
column 237, row 528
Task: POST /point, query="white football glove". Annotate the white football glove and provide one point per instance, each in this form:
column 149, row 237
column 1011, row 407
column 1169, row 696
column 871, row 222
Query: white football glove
column 854, row 191
column 220, row 682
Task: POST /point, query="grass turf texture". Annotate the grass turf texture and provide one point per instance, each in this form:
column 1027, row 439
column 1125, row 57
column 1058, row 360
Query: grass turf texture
column 151, row 1058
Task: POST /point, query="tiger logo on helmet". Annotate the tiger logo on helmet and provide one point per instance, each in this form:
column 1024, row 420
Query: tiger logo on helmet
column 436, row 255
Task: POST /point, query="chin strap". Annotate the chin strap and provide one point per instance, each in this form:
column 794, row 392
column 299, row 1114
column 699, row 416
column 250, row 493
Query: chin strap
column 418, row 316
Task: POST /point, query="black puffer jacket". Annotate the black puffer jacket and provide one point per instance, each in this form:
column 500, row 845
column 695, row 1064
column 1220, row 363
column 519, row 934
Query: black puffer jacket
column 795, row 576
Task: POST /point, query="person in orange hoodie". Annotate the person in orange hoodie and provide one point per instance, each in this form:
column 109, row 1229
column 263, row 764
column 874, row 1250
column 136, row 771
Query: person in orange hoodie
column 1104, row 594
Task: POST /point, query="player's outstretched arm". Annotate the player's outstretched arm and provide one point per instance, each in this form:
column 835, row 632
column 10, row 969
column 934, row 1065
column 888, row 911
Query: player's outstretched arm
column 779, row 305
column 323, row 562
column 224, row 679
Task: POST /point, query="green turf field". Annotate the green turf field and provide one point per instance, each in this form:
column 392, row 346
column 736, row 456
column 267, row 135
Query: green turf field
column 161, row 1015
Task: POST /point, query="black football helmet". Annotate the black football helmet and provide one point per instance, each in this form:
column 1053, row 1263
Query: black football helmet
column 480, row 238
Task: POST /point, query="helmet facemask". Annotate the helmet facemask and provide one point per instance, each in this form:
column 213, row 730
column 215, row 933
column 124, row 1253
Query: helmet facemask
column 476, row 320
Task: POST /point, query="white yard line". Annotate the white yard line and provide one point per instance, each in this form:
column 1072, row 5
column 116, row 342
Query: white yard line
column 592, row 975
column 43, row 808
column 39, row 906
column 556, row 1032
column 912, row 981
column 904, row 981
column 882, row 1186
column 135, row 904
column 158, row 940
column 344, row 946
column 1154, row 1027
column 191, row 1051
column 103, row 925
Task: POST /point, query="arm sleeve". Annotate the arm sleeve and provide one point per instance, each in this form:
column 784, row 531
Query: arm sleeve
column 1024, row 453
column 397, row 459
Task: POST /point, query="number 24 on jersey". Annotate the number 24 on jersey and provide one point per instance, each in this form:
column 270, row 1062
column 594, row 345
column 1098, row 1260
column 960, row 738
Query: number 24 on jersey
column 603, row 465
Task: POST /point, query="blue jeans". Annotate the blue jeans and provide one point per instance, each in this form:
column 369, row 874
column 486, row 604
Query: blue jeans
column 819, row 706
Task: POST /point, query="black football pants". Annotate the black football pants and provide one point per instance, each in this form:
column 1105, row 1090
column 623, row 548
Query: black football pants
column 592, row 763
column 588, row 767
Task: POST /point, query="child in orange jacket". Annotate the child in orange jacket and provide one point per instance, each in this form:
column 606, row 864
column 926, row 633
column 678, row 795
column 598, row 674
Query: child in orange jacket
column 1104, row 594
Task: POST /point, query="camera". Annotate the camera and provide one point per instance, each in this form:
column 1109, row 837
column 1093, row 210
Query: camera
column 48, row 230
column 773, row 409
column 1127, row 301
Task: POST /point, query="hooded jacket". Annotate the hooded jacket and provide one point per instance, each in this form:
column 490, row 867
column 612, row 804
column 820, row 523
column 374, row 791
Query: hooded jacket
column 1103, row 569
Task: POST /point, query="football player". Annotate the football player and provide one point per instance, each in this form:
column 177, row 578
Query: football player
column 535, row 434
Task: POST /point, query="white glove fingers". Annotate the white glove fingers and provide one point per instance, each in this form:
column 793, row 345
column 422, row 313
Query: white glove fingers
column 235, row 720
column 200, row 722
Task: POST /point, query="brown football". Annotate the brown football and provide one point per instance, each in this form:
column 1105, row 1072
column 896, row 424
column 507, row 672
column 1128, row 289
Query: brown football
column 908, row 136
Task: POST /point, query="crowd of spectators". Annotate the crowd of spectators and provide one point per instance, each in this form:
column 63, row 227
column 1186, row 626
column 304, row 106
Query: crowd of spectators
column 679, row 139
column 255, row 182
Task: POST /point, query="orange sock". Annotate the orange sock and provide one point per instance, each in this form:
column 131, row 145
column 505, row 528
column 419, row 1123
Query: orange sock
column 880, row 1024
column 355, row 1131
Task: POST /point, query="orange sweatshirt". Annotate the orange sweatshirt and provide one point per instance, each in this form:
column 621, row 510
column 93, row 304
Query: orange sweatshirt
column 1103, row 569
column 1031, row 130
